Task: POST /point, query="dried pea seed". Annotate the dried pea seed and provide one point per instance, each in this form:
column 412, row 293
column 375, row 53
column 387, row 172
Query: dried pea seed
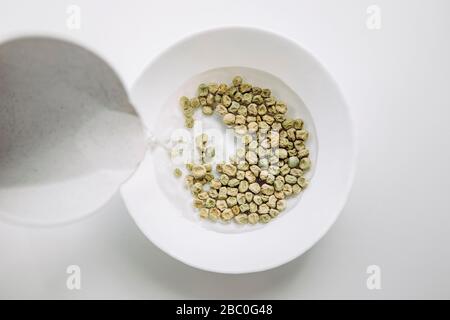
column 213, row 87
column 214, row 214
column 257, row 199
column 234, row 107
column 291, row 134
column 231, row 201
column 263, row 163
column 184, row 102
column 274, row 213
column 235, row 182
column 267, row 189
column 257, row 99
column 262, row 109
column 210, row 203
column 221, row 204
column 281, row 205
column 284, row 170
column 236, row 210
column 270, row 101
column 222, row 88
column 229, row 170
column 226, row 100
column 255, row 188
column 264, row 218
column 302, row 135
column 243, row 186
column 241, row 218
column 224, row 179
column 247, row 98
column 252, row 127
column 263, row 209
column 198, row 171
column 207, row 110
column 210, row 99
column 298, row 124
column 293, row 162
column 215, row 184
column 256, row 90
column 287, row 190
column 240, row 175
column 203, row 195
column 189, row 122
column 255, row 170
column 241, row 198
column 229, row 119
column 280, row 117
column 239, row 120
column 303, row 153
column 281, row 107
column 296, row 172
column 252, row 109
column 189, row 180
column 232, row 191
column 240, row 129
column 305, row 163
column 237, row 96
column 279, row 194
column 237, row 80
column 204, row 213
column 197, row 188
column 177, row 172
column 244, row 207
column 287, row 124
column 232, row 91
column 265, row 93
column 212, row 193
column 276, row 126
column 296, row 189
column 253, row 218
column 302, row 182
column 292, row 153
column 250, row 177
column 272, row 202
column 278, row 185
column 198, row 203
column 227, row 214
column 203, row 90
column 222, row 193
column 245, row 87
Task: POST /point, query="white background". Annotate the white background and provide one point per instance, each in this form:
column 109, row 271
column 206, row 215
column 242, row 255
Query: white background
column 397, row 83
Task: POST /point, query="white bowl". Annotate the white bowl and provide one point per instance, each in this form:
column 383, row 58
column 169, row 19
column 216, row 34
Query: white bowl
column 155, row 199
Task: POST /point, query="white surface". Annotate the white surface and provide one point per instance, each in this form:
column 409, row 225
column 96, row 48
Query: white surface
column 395, row 80
column 332, row 146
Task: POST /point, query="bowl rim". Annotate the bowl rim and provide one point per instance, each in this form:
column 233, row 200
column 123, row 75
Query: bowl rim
column 352, row 158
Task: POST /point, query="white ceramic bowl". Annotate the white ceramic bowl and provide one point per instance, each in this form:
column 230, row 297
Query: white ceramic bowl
column 269, row 60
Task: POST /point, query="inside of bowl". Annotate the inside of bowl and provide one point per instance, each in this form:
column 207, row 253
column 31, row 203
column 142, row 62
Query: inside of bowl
column 68, row 134
column 170, row 127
